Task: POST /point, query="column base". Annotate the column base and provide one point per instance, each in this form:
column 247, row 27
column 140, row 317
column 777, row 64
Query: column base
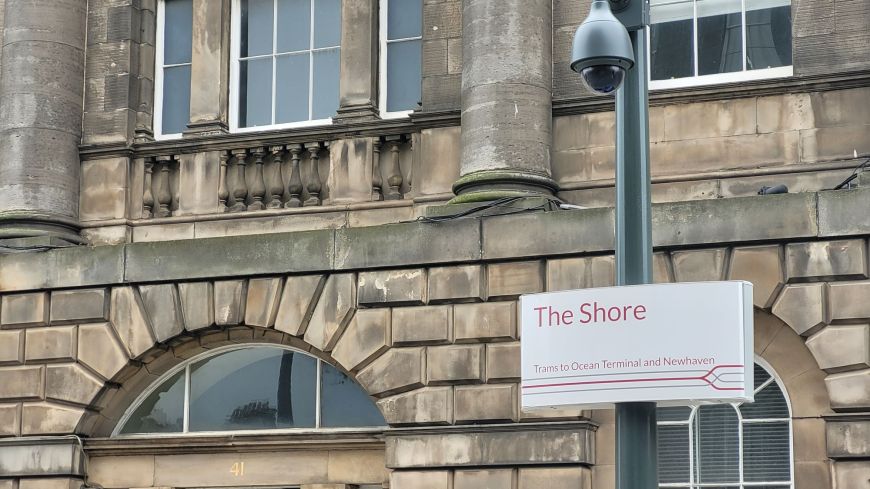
column 32, row 229
column 356, row 113
column 488, row 185
column 205, row 128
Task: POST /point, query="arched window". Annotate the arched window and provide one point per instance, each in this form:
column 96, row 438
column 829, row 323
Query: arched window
column 728, row 446
column 244, row 388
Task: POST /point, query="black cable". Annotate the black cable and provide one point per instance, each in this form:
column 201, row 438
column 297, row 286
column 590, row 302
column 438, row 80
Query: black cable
column 503, row 203
column 853, row 176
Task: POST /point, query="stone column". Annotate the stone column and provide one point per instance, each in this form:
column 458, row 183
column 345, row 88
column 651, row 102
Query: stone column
column 209, row 68
column 506, row 99
column 41, row 86
column 359, row 61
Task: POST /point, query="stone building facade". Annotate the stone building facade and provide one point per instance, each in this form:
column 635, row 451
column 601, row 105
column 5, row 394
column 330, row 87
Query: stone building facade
column 128, row 257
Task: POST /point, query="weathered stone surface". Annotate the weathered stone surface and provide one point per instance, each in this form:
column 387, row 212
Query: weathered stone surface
column 841, row 348
column 822, row 260
column 478, row 403
column 802, row 308
column 553, row 233
column 261, row 469
column 350, row 169
column 47, row 418
column 555, row 478
column 510, row 280
column 356, row 467
column 849, row 391
column 56, row 343
column 10, row 420
column 79, row 305
column 163, row 306
column 837, row 216
column 197, row 304
column 21, row 382
column 398, row 370
column 699, row 266
column 454, row 364
column 121, row 472
column 71, row 383
column 392, row 287
column 762, row 266
column 429, row 479
column 849, row 300
column 428, row 406
column 129, row 320
column 851, row 474
column 43, row 458
column 229, row 302
column 663, row 270
column 502, row 362
column 807, row 436
column 11, row 347
column 488, row 321
column 456, row 284
column 580, row 273
column 53, row 483
column 263, row 298
column 367, row 336
column 333, row 312
column 423, row 325
column 848, row 439
column 24, row 309
column 99, row 349
column 103, row 193
column 438, row 165
column 483, row 479
column 69, row 267
column 297, row 303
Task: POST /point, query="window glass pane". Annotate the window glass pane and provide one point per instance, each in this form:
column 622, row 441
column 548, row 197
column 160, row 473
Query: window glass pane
column 720, row 36
column 253, row 388
column 768, row 37
column 176, row 99
column 760, row 375
column 177, row 32
column 403, row 75
column 716, row 444
column 327, row 23
column 766, row 452
column 292, row 83
column 769, row 404
column 257, row 23
column 326, row 73
column 255, row 90
column 162, row 411
column 404, row 19
column 671, row 54
column 294, row 25
column 673, row 449
column 344, row 403
column 676, row 413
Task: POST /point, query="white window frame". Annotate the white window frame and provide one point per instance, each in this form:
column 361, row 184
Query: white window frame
column 185, row 367
column 774, row 377
column 157, row 120
column 384, row 41
column 719, row 78
column 235, row 93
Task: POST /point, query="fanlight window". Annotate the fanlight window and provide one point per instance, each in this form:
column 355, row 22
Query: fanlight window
column 728, row 446
column 251, row 388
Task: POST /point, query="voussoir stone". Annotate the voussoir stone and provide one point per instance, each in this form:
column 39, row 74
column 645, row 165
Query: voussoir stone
column 100, row 350
column 452, row 364
column 422, row 325
column 762, row 266
column 367, row 336
column 229, row 302
column 397, row 370
column 163, row 305
column 79, row 305
column 802, row 308
column 392, row 287
column 47, row 418
column 699, row 265
column 24, row 309
column 263, row 298
column 197, row 304
column 130, row 322
column 841, row 348
column 475, row 403
column 849, row 391
column 333, row 312
column 297, row 303
column 824, row 260
column 848, row 301
column 487, row 321
column 456, row 284
column 427, row 406
column 71, row 383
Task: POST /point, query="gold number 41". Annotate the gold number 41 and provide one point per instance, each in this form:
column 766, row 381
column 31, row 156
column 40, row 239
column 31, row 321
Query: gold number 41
column 238, row 469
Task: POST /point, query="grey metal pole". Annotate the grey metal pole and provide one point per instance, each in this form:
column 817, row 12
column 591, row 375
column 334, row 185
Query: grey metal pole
column 636, row 447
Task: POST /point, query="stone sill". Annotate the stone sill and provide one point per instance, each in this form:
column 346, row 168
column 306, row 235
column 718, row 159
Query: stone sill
column 702, row 223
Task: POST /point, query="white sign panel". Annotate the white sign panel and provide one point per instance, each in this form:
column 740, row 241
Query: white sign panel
column 668, row 343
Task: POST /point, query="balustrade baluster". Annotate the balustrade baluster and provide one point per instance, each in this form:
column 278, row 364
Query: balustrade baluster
column 240, row 192
column 276, row 183
column 312, row 175
column 223, row 193
column 294, row 186
column 394, row 172
column 377, row 178
column 164, row 195
column 148, row 191
column 258, row 187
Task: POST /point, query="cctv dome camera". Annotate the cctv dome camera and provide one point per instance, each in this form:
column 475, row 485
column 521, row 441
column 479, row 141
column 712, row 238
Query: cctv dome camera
column 602, row 50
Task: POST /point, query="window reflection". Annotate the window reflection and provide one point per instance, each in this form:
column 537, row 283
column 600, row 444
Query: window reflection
column 162, row 411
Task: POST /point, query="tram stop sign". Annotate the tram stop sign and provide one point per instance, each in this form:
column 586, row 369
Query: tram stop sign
column 672, row 344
